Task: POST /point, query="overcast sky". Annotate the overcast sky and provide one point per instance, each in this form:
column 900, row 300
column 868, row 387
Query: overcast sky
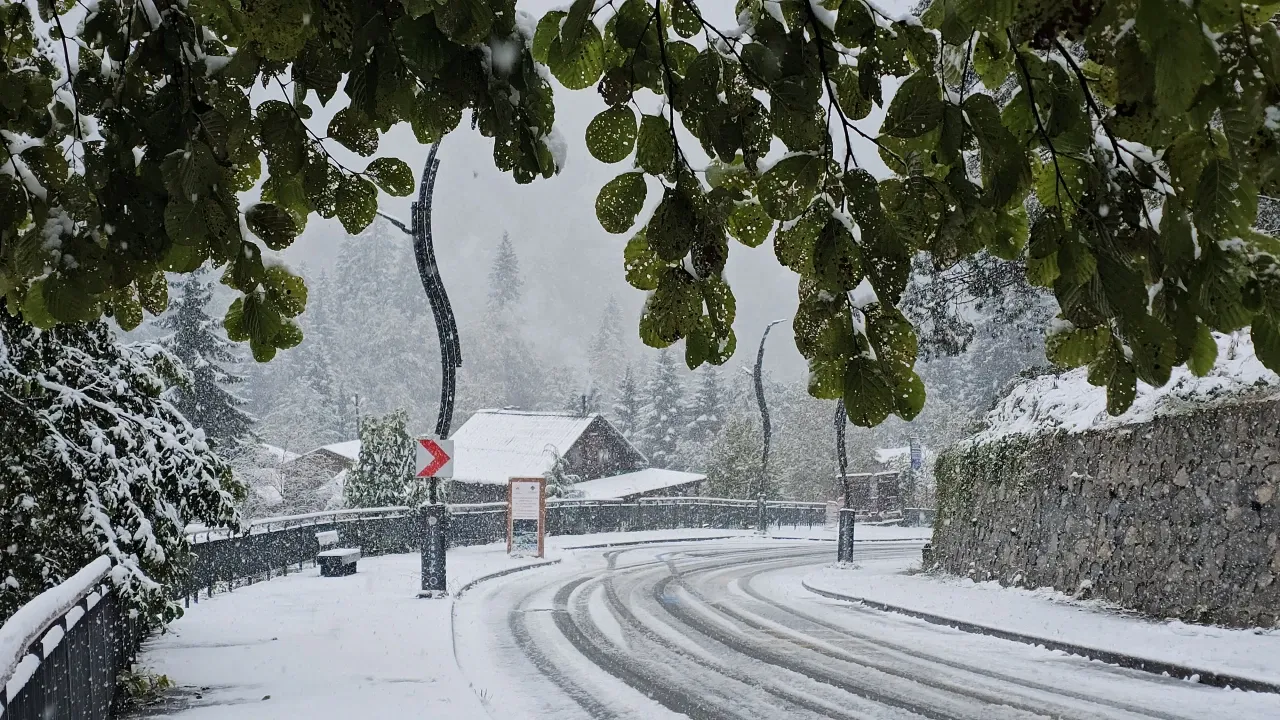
column 570, row 264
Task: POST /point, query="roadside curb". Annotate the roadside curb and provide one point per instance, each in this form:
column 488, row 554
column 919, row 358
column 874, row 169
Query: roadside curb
column 1156, row 667
column 502, row 573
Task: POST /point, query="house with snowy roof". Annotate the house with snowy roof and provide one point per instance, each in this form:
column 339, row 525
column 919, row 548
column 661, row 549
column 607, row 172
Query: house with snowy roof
column 493, row 446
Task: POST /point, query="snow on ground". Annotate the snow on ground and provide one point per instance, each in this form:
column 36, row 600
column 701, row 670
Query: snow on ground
column 302, row 646
column 1068, row 402
column 1051, row 615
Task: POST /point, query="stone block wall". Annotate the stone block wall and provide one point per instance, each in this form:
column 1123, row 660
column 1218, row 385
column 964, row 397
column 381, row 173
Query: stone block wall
column 1175, row 518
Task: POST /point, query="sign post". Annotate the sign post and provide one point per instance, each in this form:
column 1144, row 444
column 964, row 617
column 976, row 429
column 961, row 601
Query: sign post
column 526, row 516
column 434, row 460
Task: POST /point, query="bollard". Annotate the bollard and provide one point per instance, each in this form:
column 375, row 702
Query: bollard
column 762, row 517
column 433, row 529
column 844, row 543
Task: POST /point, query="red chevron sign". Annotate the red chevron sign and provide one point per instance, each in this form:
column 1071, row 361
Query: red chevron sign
column 434, row 458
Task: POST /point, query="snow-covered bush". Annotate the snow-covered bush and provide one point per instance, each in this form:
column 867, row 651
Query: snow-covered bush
column 383, row 475
column 97, row 462
column 560, row 482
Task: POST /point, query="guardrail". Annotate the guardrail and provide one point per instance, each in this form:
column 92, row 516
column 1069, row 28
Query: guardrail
column 61, row 653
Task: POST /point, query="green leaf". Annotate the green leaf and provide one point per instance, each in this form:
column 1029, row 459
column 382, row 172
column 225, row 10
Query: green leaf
column 574, row 23
column 184, row 221
column 259, row 319
column 126, row 309
column 1070, row 346
column 392, row 175
column 641, row 263
column 674, row 227
column 1204, row 350
column 793, row 242
column 581, row 67
column 868, row 396
column 789, row 186
column 684, row 18
column 67, row 300
column 547, row 31
column 351, row 128
column 1265, row 333
column 611, row 135
column 356, row 203
column 655, row 150
column 286, row 292
column 271, row 223
column 1122, row 388
column 749, row 224
column 620, row 200
column 916, row 108
column 849, row 92
column 1226, row 202
column 672, row 310
column 435, row 115
column 908, row 396
column 837, row 261
column 153, row 292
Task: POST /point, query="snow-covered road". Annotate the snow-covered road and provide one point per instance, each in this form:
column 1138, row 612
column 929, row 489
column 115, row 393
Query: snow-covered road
column 723, row 629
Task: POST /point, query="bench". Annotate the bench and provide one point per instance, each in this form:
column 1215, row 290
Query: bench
column 335, row 561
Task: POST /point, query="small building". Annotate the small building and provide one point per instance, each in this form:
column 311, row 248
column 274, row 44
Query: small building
column 650, row 482
column 493, row 446
column 325, row 461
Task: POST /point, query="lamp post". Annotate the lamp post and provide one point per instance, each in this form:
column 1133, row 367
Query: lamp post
column 433, row 520
column 766, row 429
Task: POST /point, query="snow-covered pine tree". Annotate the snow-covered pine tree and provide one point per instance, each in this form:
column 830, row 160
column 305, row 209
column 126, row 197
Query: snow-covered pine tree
column 197, row 340
column 504, row 278
column 628, row 407
column 734, row 467
column 664, row 416
column 383, row 474
column 98, row 462
column 500, row 369
column 606, row 352
column 705, row 416
column 560, row 481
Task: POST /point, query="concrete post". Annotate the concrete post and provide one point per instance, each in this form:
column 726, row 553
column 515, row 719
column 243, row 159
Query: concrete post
column 762, row 515
column 844, row 543
column 433, row 521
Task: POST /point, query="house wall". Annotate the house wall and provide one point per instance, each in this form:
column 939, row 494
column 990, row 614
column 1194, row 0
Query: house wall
column 1175, row 517
column 601, row 452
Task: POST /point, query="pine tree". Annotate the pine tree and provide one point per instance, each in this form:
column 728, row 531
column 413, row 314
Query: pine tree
column 733, row 469
column 606, row 352
column 97, row 461
column 197, row 340
column 504, row 278
column 664, row 421
column 383, row 474
column 628, row 407
column 705, row 414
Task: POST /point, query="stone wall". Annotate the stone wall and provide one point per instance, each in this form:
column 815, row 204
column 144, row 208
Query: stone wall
column 1176, row 517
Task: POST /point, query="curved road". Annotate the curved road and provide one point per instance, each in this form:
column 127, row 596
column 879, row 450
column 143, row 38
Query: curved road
column 714, row 630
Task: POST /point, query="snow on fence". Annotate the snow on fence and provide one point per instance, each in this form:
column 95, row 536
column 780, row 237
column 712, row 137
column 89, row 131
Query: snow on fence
column 61, row 652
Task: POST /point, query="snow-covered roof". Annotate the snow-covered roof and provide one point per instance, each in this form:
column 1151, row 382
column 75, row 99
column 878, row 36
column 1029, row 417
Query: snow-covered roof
column 349, row 449
column 885, row 455
column 495, row 445
column 278, row 454
column 618, row 487
column 1068, row 402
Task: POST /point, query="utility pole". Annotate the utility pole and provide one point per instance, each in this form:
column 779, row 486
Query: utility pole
column 848, row 513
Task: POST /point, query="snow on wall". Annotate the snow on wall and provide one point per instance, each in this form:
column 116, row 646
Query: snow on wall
column 1068, row 402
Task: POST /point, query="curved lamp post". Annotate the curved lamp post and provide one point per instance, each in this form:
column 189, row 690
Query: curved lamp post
column 433, row 518
column 765, row 426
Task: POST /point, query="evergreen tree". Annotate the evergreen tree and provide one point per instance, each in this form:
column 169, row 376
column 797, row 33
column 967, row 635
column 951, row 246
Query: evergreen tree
column 734, row 460
column 606, row 352
column 560, row 481
column 664, row 417
column 383, row 474
column 97, row 461
column 197, row 341
column 628, row 407
column 504, row 278
column 705, row 415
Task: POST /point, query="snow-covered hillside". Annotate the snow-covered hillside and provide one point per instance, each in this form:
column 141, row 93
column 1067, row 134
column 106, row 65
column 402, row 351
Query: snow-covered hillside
column 1068, row 402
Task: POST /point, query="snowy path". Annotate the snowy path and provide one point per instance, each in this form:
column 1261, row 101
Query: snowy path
column 722, row 629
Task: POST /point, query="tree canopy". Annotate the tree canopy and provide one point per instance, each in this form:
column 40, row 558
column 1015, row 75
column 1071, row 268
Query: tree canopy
column 1119, row 145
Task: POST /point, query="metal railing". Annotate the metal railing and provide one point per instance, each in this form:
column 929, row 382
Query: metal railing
column 61, row 653
column 66, row 648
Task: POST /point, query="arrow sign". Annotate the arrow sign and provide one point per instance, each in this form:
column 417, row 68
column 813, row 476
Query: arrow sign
column 434, row 458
